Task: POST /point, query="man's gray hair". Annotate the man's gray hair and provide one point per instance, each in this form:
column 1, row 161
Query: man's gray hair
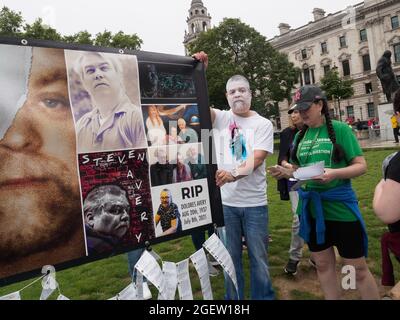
column 110, row 58
column 237, row 77
column 169, row 194
column 94, row 199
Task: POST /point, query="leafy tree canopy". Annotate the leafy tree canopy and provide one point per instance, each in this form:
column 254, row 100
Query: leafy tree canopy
column 12, row 24
column 236, row 48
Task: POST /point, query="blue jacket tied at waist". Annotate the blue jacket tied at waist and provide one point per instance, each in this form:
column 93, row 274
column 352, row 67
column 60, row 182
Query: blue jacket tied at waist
column 344, row 194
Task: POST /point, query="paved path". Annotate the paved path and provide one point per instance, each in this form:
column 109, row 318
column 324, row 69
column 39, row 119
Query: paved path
column 377, row 143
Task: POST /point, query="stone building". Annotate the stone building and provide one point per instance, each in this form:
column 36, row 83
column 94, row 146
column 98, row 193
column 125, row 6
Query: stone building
column 199, row 20
column 351, row 40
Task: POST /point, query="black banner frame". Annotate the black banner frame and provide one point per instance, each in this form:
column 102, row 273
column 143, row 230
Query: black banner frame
column 205, row 123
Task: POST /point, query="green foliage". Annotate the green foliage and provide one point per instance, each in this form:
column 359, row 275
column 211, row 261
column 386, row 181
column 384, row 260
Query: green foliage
column 82, row 37
column 236, row 48
column 103, row 39
column 336, row 87
column 40, row 31
column 126, row 41
column 12, row 24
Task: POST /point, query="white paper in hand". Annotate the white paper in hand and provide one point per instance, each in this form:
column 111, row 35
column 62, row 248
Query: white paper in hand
column 307, row 173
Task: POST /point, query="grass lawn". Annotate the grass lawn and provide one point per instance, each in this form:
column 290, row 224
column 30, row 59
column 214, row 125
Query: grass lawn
column 105, row 278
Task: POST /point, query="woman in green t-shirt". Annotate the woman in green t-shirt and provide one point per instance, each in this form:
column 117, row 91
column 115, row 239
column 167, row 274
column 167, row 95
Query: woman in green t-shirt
column 328, row 207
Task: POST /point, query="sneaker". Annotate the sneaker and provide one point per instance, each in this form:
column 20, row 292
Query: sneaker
column 312, row 263
column 146, row 292
column 291, row 267
column 212, row 271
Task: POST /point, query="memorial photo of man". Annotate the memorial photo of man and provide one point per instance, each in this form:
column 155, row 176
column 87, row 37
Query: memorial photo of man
column 106, row 211
column 114, row 123
column 168, row 214
column 40, row 212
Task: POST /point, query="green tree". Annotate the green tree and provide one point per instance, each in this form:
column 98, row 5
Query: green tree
column 118, row 40
column 236, row 48
column 126, row 41
column 38, row 30
column 82, row 37
column 337, row 88
column 103, row 39
column 11, row 23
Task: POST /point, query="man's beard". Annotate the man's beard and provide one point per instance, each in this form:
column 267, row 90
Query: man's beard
column 40, row 218
column 240, row 107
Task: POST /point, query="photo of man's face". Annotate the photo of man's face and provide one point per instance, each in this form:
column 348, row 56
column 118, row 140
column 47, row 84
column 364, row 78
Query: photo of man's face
column 112, row 218
column 99, row 76
column 165, row 198
column 39, row 191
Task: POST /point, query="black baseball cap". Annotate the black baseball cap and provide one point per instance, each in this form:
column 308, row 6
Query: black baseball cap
column 306, row 95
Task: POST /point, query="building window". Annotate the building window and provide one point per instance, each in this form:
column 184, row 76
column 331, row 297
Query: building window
column 304, row 54
column 398, row 78
column 368, row 88
column 363, row 35
column 371, row 110
column 342, row 41
column 324, row 47
column 395, row 22
column 307, row 79
column 327, row 68
column 312, row 76
column 196, row 11
column 350, row 111
column 346, row 68
column 396, row 48
column 202, row 11
column 366, row 62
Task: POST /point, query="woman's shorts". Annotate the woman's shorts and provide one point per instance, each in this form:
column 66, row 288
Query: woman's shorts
column 347, row 237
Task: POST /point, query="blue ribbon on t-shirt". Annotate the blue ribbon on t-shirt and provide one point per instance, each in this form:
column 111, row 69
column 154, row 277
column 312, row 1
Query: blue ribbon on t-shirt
column 344, row 194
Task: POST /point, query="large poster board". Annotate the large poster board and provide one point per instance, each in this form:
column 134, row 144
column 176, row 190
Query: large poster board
column 101, row 151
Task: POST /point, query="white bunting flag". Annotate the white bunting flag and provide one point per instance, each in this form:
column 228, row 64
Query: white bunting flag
column 12, row 296
column 200, row 263
column 184, row 285
column 217, row 249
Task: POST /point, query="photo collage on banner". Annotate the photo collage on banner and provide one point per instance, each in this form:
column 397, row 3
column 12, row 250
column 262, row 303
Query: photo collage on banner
column 99, row 153
column 178, row 170
column 112, row 150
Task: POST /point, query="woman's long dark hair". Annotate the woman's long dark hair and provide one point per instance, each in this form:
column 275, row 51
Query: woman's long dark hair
column 338, row 152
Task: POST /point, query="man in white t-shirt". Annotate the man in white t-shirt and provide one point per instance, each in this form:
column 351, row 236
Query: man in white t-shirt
column 243, row 139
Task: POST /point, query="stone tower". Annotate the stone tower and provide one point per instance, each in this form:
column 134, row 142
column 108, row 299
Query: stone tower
column 198, row 21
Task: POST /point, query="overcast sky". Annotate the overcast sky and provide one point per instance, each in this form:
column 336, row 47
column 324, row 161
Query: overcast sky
column 160, row 23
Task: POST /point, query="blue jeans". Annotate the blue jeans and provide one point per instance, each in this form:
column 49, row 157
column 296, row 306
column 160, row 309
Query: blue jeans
column 133, row 258
column 253, row 224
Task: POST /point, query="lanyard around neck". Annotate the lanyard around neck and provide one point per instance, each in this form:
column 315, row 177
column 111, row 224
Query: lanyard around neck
column 311, row 146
